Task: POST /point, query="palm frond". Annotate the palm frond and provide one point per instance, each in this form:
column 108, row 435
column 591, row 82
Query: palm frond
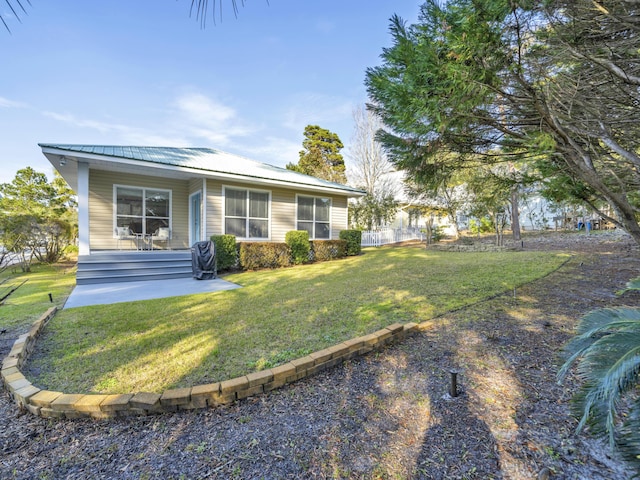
column 629, row 436
column 633, row 284
column 609, row 368
column 598, row 321
column 14, row 12
column 201, row 9
column 593, row 326
column 606, row 351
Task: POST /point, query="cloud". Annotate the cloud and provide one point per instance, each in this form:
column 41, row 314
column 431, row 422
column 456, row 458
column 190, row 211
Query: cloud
column 274, row 150
column 6, row 103
column 200, row 116
column 101, row 127
column 190, row 119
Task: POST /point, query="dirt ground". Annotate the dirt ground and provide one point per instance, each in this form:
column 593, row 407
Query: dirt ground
column 386, row 415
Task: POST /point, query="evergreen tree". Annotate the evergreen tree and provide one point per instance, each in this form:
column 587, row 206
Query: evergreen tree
column 516, row 81
column 321, row 156
column 37, row 217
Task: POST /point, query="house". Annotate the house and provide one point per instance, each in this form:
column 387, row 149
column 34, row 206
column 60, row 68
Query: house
column 159, row 199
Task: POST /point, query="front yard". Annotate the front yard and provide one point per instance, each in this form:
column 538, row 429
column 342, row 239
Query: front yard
column 31, row 300
column 279, row 315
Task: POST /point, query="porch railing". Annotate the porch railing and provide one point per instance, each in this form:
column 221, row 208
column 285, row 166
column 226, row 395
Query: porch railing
column 376, row 238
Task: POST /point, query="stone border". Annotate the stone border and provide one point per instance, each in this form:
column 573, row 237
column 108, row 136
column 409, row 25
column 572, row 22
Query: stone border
column 52, row 404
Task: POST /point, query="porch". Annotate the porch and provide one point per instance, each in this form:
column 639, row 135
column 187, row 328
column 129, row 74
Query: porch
column 112, row 266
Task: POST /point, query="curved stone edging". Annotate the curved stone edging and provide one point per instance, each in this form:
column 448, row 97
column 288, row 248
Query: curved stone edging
column 46, row 403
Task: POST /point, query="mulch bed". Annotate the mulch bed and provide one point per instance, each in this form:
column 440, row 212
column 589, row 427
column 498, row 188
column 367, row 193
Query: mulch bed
column 386, row 415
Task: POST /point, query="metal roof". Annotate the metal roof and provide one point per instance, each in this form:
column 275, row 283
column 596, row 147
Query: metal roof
column 207, row 160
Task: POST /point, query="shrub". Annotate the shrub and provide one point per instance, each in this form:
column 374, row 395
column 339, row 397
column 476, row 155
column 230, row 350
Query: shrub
column 354, row 241
column 324, row 250
column 605, row 351
column 298, row 242
column 437, row 234
column 256, row 255
column 226, row 251
column 485, row 226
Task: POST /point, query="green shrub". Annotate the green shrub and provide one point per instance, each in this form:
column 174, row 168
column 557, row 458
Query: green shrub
column 298, row 242
column 257, row 255
column 485, row 226
column 437, row 233
column 324, row 250
column 354, row 241
column 226, row 251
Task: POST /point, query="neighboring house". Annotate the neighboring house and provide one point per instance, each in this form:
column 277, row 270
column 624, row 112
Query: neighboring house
column 169, row 198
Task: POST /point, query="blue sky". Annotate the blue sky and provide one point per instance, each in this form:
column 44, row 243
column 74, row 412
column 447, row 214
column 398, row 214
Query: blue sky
column 143, row 72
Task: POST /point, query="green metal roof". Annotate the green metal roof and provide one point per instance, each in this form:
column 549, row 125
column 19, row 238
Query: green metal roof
column 207, row 160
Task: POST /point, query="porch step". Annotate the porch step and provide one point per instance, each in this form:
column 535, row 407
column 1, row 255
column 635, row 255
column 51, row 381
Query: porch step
column 108, row 267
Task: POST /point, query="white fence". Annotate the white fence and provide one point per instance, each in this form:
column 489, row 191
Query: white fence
column 375, row 238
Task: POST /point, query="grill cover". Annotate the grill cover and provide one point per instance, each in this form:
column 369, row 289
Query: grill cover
column 203, row 260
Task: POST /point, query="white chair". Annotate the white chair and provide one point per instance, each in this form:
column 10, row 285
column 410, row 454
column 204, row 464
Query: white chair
column 123, row 233
column 163, row 234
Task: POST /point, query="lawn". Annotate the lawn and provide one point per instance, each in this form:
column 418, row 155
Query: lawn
column 279, row 315
column 31, row 300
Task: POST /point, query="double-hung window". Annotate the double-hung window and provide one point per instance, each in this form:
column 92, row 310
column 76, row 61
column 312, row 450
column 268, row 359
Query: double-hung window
column 246, row 213
column 314, row 216
column 142, row 210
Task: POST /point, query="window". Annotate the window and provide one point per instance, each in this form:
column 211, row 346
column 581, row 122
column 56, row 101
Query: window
column 314, row 214
column 246, row 213
column 143, row 210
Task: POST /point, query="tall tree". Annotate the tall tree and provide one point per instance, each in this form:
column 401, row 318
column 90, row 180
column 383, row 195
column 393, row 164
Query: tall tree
column 442, row 189
column 321, row 155
column 371, row 171
column 548, row 82
column 38, row 217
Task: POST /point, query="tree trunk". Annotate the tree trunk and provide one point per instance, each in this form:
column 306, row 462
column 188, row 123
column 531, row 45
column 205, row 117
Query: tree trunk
column 627, row 218
column 454, row 223
column 619, row 201
column 515, row 214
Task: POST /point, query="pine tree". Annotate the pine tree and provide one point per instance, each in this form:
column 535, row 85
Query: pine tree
column 321, row 156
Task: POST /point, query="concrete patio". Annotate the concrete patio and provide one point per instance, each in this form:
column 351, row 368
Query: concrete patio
column 107, row 293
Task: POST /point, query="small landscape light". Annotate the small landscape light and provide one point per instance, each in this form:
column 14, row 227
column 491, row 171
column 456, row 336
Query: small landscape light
column 453, row 389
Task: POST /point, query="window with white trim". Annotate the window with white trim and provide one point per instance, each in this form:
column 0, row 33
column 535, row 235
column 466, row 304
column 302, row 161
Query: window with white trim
column 143, row 210
column 314, row 216
column 246, row 213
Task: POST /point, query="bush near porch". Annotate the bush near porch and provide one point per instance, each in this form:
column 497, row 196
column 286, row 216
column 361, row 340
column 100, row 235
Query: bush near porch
column 296, row 250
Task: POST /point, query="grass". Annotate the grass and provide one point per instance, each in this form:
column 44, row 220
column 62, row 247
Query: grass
column 31, row 300
column 278, row 315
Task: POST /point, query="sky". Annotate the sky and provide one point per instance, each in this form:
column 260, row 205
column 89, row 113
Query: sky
column 145, row 73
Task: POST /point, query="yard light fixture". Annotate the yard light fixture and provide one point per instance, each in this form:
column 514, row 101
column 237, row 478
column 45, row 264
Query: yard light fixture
column 63, row 161
column 453, row 389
